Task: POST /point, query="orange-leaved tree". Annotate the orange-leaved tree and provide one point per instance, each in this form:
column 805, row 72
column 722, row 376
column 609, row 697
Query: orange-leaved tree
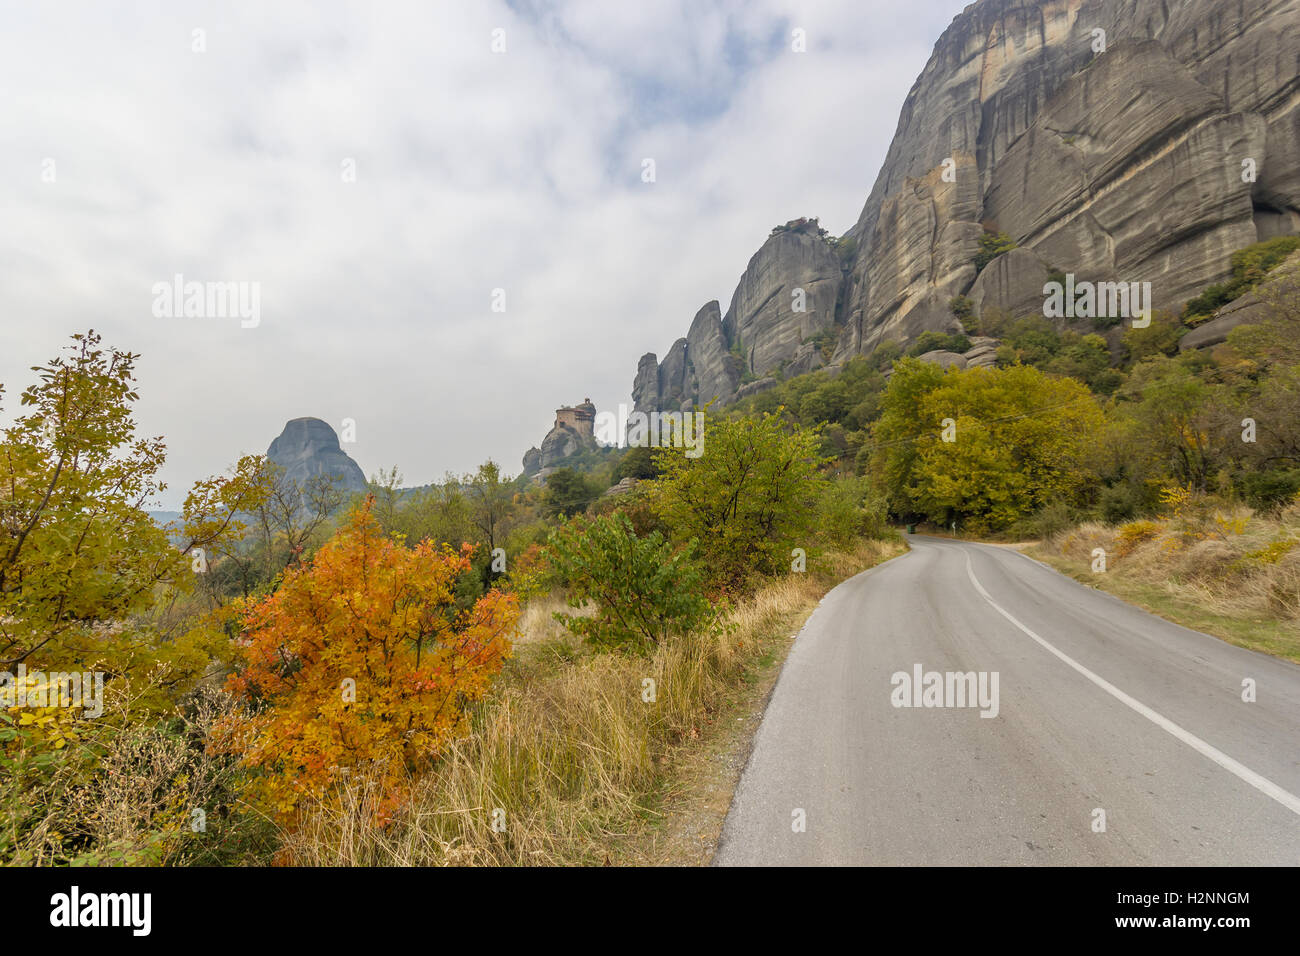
column 362, row 661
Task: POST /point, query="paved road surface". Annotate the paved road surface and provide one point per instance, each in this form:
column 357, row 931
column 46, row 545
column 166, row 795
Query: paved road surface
column 1100, row 706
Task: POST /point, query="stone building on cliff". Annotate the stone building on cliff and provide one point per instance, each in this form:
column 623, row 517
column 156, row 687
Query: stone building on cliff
column 573, row 432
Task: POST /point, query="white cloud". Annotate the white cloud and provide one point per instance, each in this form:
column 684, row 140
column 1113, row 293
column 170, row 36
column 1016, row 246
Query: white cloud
column 474, row 171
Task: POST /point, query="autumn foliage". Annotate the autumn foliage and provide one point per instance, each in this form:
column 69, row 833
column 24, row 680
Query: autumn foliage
column 362, row 661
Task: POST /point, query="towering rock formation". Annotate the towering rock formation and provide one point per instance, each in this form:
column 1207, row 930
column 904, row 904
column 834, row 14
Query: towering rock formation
column 573, row 432
column 309, row 447
column 1120, row 140
column 788, row 294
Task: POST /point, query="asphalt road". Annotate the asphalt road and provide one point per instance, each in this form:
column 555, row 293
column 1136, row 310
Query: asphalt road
column 1101, row 707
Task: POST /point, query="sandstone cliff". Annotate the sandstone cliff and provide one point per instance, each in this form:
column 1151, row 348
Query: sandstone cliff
column 787, row 295
column 1150, row 160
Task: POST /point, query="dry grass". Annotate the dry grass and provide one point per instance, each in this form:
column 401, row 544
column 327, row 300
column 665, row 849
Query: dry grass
column 565, row 762
column 537, row 624
column 126, row 791
column 1224, row 570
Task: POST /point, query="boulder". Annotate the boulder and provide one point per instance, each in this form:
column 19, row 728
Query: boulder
column 944, row 359
column 622, row 488
column 1246, row 309
column 1012, row 283
column 753, row 388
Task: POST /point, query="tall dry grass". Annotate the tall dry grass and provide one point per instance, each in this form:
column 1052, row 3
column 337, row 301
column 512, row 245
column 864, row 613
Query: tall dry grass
column 1216, row 557
column 563, row 761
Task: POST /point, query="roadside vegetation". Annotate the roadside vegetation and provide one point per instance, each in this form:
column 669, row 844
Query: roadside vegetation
column 1219, row 568
column 478, row 670
column 1072, row 425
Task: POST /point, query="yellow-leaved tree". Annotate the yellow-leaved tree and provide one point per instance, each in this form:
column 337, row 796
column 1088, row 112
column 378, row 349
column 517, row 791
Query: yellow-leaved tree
column 985, row 447
column 81, row 560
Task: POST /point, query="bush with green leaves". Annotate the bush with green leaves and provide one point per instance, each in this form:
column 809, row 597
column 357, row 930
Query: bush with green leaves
column 963, row 309
column 992, row 245
column 850, row 509
column 637, row 463
column 931, row 341
column 643, row 590
column 1268, row 490
column 568, row 492
column 1249, row 266
column 748, row 499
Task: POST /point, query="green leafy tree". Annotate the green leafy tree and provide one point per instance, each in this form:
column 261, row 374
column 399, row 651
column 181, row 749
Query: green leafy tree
column 1249, row 266
column 1159, row 338
column 850, row 508
column 749, row 498
column 491, row 502
column 643, row 591
column 1020, row 440
column 931, row 341
column 1182, row 423
column 637, row 463
column 79, row 555
column 568, row 492
column 992, row 245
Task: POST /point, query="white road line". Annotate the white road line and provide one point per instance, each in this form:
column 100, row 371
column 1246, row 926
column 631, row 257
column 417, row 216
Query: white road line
column 1262, row 784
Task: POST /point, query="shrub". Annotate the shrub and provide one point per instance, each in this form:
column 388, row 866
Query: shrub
column 362, row 659
column 642, row 590
column 992, row 245
column 637, row 463
column 849, row 509
column 1270, row 489
column 1120, row 502
column 748, row 499
column 964, row 310
column 568, row 492
column 1159, row 338
column 939, row 341
column 1135, row 532
column 1249, row 266
column 1031, row 340
column 124, row 790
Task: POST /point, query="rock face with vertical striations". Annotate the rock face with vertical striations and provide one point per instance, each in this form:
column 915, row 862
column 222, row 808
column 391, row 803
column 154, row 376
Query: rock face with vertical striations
column 788, row 295
column 1118, row 140
column 308, row 447
column 715, row 369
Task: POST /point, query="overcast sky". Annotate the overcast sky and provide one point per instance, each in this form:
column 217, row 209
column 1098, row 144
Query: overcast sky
column 127, row 156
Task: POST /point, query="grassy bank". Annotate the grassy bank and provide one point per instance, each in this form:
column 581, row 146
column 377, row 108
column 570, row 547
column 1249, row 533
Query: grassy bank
column 1221, row 569
column 570, row 763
